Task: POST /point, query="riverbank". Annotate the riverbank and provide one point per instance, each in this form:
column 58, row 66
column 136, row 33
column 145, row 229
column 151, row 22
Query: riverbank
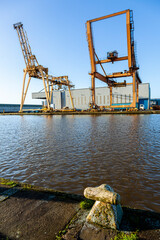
column 96, row 112
column 30, row 212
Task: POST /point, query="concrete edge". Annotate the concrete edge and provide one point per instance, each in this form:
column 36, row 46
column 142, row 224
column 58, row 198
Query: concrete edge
column 85, row 113
column 12, row 183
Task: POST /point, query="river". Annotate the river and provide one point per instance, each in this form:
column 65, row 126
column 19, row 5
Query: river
column 70, row 153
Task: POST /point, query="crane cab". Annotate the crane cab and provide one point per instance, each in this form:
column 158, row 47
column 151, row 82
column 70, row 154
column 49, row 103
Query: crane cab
column 112, row 55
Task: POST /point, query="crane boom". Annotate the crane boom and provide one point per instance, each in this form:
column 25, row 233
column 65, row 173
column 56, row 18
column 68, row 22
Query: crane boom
column 29, row 58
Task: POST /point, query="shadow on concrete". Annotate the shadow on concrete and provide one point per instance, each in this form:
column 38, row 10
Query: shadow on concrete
column 45, row 195
column 135, row 219
column 4, row 237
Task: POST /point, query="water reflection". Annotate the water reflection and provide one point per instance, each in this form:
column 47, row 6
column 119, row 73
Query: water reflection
column 72, row 152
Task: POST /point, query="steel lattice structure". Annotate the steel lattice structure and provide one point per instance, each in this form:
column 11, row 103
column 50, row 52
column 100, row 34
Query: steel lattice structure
column 113, row 57
column 34, row 70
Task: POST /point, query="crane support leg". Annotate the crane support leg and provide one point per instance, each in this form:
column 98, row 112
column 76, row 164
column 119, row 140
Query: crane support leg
column 110, row 96
column 71, row 97
column 24, row 94
column 69, row 89
column 24, row 79
column 129, row 38
column 137, row 92
column 92, row 58
column 134, row 91
column 51, row 93
column 29, row 79
column 47, row 93
column 48, row 87
column 93, row 90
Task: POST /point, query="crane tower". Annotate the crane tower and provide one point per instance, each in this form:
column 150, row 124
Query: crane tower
column 113, row 57
column 34, row 70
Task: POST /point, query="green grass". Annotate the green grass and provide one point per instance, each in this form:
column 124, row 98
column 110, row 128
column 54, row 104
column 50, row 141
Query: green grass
column 86, row 204
column 123, row 236
column 11, row 184
column 7, row 182
column 61, row 233
column 28, row 186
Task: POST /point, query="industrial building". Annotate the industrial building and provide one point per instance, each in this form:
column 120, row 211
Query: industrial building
column 155, row 101
column 82, row 97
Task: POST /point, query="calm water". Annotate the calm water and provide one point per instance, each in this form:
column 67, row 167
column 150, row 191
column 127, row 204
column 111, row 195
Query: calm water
column 70, row 153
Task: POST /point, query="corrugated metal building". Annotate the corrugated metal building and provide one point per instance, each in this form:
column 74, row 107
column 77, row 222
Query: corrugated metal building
column 155, row 101
column 82, row 97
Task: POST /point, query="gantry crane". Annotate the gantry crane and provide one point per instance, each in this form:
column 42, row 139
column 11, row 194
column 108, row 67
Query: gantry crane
column 34, row 70
column 113, row 57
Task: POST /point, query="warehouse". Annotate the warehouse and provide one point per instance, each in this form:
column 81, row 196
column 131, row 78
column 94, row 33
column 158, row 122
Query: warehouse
column 155, row 101
column 82, row 97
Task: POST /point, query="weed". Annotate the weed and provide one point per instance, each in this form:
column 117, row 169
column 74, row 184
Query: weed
column 11, row 184
column 123, row 236
column 58, row 238
column 28, row 186
column 7, row 182
column 86, row 204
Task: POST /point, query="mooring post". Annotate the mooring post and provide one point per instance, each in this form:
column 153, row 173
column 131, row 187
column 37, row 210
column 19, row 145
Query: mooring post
column 107, row 210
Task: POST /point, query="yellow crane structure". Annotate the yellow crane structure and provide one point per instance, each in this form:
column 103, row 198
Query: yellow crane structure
column 113, row 57
column 34, row 70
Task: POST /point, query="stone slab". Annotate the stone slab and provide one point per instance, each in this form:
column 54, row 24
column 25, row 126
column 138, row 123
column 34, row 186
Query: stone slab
column 32, row 215
column 9, row 192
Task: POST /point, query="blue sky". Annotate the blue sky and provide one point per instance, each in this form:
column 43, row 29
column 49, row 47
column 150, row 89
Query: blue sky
column 57, row 35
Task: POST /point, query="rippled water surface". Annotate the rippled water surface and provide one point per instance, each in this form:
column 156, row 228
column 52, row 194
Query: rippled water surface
column 70, row 153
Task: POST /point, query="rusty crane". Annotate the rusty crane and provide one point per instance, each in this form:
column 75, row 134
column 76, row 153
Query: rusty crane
column 34, row 70
column 113, row 57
